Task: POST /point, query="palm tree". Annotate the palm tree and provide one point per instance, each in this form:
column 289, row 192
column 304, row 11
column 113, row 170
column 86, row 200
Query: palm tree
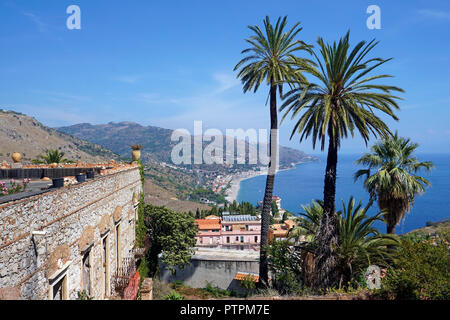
column 394, row 183
column 359, row 244
column 270, row 59
column 344, row 101
column 52, row 156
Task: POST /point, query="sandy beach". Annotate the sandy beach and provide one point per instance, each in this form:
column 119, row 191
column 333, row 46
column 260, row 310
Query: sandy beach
column 235, row 183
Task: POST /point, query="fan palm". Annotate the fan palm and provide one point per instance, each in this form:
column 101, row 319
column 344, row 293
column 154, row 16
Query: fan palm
column 358, row 245
column 51, row 156
column 344, row 101
column 394, row 183
column 270, row 59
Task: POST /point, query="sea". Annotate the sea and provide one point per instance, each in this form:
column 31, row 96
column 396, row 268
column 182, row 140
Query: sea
column 299, row 186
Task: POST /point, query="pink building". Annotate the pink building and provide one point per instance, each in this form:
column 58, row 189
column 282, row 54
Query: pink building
column 239, row 232
column 208, row 231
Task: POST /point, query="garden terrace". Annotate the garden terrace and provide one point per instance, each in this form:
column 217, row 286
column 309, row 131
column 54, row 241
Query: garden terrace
column 40, row 177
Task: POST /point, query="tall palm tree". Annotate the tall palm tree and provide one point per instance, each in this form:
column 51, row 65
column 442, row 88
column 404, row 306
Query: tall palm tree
column 52, row 156
column 394, row 183
column 270, row 59
column 343, row 101
column 359, row 244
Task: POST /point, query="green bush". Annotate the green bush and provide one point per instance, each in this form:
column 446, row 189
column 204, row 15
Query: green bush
column 286, row 268
column 173, row 295
column 421, row 272
column 215, row 291
column 82, row 295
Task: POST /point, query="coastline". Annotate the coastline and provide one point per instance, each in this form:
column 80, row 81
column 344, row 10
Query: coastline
column 235, row 183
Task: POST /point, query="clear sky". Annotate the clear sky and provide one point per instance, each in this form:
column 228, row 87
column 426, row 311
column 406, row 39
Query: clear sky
column 168, row 63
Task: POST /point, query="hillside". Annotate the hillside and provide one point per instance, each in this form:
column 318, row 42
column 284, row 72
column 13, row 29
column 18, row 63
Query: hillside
column 159, row 196
column 156, row 142
column 433, row 228
column 26, row 135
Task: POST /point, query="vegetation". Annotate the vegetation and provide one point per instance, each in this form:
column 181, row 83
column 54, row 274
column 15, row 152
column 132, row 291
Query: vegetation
column 421, row 271
column 173, row 295
column 171, row 234
column 215, row 291
column 395, row 182
column 359, row 244
column 52, row 156
column 270, row 59
column 285, row 264
column 342, row 102
column 206, row 193
column 14, row 187
column 82, row 295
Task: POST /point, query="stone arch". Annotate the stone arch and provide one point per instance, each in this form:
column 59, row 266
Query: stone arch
column 87, row 238
column 105, row 224
column 117, row 213
column 58, row 258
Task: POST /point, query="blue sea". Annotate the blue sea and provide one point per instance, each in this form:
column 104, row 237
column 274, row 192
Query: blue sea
column 300, row 185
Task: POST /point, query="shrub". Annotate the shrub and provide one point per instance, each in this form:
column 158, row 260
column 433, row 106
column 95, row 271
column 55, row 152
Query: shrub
column 160, row 289
column 82, row 295
column 421, row 272
column 286, row 268
column 173, row 295
column 215, row 291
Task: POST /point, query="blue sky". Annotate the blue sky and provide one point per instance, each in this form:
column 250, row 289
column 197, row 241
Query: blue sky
column 168, row 63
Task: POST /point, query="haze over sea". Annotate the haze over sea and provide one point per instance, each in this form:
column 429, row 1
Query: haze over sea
column 299, row 186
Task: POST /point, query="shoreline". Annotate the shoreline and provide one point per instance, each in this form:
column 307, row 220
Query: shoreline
column 235, row 183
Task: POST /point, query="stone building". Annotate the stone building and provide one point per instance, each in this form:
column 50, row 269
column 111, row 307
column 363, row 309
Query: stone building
column 57, row 242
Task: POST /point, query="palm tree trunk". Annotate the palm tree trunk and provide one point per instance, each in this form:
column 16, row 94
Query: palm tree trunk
column 391, row 229
column 326, row 237
column 267, row 203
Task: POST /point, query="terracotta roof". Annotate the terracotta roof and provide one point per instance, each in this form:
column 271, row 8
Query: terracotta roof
column 208, row 224
column 279, row 230
column 290, row 223
column 243, row 275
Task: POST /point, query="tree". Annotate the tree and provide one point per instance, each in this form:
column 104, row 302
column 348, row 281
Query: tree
column 359, row 244
column 274, row 208
column 395, row 182
column 344, row 101
column 171, row 234
column 270, row 59
column 51, row 156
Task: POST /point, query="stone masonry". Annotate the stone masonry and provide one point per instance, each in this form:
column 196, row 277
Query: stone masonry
column 56, row 244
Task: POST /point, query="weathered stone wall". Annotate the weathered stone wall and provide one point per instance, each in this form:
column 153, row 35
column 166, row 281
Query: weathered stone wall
column 74, row 218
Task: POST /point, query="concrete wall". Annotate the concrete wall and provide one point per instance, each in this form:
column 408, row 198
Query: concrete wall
column 75, row 219
column 219, row 272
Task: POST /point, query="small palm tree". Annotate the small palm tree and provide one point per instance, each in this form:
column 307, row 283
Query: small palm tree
column 51, row 156
column 344, row 101
column 395, row 182
column 359, row 243
column 307, row 223
column 270, row 59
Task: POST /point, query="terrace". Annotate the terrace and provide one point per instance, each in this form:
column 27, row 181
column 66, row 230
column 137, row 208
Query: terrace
column 31, row 180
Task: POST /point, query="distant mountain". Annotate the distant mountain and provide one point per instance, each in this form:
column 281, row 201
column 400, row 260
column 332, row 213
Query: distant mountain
column 156, row 142
column 24, row 134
